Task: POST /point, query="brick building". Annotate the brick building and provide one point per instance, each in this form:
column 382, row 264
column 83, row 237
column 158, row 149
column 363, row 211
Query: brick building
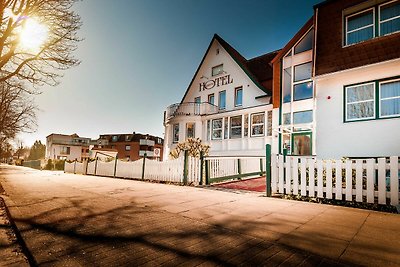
column 133, row 146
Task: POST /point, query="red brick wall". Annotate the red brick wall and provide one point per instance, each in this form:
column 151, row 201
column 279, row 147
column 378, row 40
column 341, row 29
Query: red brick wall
column 331, row 56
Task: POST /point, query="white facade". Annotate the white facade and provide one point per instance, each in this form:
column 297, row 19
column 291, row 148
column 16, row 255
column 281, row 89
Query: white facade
column 67, row 147
column 233, row 136
column 338, row 138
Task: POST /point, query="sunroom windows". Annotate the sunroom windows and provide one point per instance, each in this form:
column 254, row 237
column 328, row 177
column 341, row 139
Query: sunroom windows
column 372, row 22
column 236, row 127
column 363, row 100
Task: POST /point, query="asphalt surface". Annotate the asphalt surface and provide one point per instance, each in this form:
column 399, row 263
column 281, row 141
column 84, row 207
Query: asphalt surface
column 75, row 220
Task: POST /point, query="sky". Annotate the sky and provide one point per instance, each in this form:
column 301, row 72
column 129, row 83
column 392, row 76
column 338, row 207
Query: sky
column 139, row 56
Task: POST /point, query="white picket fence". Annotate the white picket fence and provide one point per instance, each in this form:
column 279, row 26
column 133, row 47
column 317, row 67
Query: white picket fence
column 167, row 171
column 231, row 166
column 363, row 180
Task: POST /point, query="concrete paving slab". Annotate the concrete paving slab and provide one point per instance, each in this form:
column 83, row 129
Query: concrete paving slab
column 86, row 220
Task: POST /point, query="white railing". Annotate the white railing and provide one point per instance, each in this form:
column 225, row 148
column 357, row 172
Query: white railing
column 220, row 167
column 189, row 108
column 360, row 180
column 167, row 171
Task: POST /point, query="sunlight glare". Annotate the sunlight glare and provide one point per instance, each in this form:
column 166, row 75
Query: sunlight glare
column 33, row 35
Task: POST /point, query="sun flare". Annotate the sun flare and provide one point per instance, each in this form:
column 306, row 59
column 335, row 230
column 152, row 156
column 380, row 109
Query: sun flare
column 33, row 35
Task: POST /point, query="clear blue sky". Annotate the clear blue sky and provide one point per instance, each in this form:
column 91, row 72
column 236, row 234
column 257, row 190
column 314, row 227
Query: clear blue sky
column 139, row 56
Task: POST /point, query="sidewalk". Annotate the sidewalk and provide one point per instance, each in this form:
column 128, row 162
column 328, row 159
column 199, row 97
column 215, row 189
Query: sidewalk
column 80, row 220
column 10, row 251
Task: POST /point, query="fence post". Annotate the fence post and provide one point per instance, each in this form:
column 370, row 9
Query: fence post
column 239, row 167
column 95, row 168
column 268, row 169
column 207, row 162
column 74, row 167
column 144, row 164
column 115, row 166
column 201, row 167
column 85, row 165
column 185, row 167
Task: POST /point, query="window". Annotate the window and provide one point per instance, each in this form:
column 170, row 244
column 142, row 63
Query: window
column 222, row 100
column 389, row 102
column 127, row 137
column 197, row 100
column 65, row 150
column 287, row 85
column 360, row 102
column 302, row 144
column 208, row 130
column 217, row 70
column 303, row 91
column 236, row 127
column 302, row 72
column 115, row 138
column 238, row 97
column 190, row 130
column 216, row 129
column 175, row 133
column 360, row 27
column 302, row 117
column 127, row 147
column 389, row 18
column 159, row 141
column 257, row 124
column 305, row 44
column 269, row 123
column 286, row 119
column 211, row 99
column 246, row 125
column 226, row 129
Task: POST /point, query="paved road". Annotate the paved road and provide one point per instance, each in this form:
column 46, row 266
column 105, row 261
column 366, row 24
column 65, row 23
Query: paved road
column 73, row 220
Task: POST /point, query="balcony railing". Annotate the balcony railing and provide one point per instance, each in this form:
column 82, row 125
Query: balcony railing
column 189, row 109
column 146, row 142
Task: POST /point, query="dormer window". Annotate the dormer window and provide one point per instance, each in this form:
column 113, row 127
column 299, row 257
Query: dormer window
column 389, row 18
column 217, row 70
column 360, row 27
column 115, row 138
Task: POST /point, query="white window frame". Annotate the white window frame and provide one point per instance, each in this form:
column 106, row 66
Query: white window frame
column 364, row 27
column 173, row 133
column 387, row 98
column 194, row 129
column 356, row 102
column 127, row 147
column 208, row 99
column 217, row 129
column 220, row 71
column 237, row 89
column 219, row 100
column 235, row 127
column 256, row 124
column 379, row 18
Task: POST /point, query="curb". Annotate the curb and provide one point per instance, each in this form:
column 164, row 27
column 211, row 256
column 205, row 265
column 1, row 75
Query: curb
column 20, row 240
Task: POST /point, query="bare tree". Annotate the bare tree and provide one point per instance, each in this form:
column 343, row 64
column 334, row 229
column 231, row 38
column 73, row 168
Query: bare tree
column 37, row 40
column 17, row 111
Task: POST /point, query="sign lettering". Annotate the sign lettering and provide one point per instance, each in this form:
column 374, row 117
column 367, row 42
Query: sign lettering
column 217, row 82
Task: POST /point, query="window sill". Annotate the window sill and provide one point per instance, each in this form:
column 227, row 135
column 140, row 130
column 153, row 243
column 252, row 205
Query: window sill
column 374, row 119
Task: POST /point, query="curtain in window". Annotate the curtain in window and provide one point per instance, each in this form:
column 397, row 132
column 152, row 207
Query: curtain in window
column 390, row 98
column 390, row 18
column 360, row 101
column 355, row 27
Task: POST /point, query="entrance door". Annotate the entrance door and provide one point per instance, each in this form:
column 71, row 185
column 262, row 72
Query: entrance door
column 302, row 144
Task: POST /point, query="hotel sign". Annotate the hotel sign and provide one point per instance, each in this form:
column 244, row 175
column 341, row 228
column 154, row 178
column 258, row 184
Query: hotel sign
column 210, row 84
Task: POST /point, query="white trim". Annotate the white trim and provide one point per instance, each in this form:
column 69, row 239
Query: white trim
column 386, row 98
column 383, row 21
column 346, row 44
column 257, row 124
column 362, row 101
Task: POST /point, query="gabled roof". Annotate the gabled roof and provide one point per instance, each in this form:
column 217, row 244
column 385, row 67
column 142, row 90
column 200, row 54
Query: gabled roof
column 257, row 69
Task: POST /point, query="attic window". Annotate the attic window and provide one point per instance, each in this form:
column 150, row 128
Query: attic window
column 217, row 70
column 217, row 52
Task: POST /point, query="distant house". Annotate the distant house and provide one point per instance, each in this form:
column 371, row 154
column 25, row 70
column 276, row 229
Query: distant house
column 67, row 147
column 132, row 146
